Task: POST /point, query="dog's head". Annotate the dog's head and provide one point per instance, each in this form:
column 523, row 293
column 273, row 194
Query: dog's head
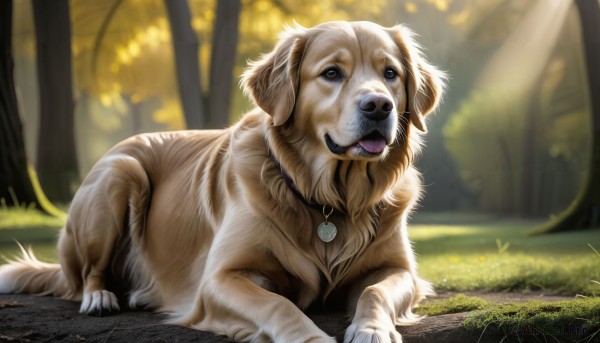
column 349, row 86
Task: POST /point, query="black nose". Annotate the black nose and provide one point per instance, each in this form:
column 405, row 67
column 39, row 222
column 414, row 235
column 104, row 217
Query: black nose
column 376, row 107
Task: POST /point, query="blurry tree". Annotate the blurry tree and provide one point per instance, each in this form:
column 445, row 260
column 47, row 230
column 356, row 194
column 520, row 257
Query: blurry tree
column 19, row 186
column 443, row 27
column 585, row 210
column 123, row 63
column 224, row 43
column 15, row 184
column 185, row 44
column 202, row 107
column 56, row 157
column 506, row 112
column 224, row 46
column 557, row 139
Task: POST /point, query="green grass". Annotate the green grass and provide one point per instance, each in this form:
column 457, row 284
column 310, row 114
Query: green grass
column 456, row 304
column 576, row 320
column 25, row 218
column 570, row 320
column 501, row 256
column 30, row 227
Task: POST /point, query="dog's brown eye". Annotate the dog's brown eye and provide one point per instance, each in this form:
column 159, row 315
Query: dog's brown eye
column 390, row 74
column 332, row 74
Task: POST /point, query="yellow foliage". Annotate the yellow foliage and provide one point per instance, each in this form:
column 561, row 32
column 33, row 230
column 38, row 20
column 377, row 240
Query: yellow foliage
column 170, row 114
column 264, row 19
column 135, row 56
column 440, row 5
column 105, row 100
column 461, row 18
column 411, row 7
column 134, row 49
column 108, row 110
column 123, row 56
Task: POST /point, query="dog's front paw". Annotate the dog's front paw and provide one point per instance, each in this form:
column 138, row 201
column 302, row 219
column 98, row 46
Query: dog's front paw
column 99, row 303
column 373, row 332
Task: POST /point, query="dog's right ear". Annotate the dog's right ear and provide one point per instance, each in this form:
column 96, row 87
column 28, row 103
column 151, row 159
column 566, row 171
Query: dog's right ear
column 425, row 82
column 273, row 81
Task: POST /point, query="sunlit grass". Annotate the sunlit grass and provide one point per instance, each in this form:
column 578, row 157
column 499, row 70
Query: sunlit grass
column 502, row 257
column 574, row 320
column 569, row 274
column 24, row 218
column 44, row 250
column 456, row 304
column 30, row 227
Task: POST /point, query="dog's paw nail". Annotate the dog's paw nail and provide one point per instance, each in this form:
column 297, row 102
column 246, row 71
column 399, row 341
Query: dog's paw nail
column 372, row 333
column 99, row 303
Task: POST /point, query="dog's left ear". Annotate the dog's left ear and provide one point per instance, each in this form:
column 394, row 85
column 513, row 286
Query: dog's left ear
column 272, row 81
column 425, row 82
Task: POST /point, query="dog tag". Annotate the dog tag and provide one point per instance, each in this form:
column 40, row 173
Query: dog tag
column 326, row 231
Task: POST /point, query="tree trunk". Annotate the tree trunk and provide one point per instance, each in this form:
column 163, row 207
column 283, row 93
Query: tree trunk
column 224, row 47
column 185, row 44
column 15, row 186
column 529, row 168
column 57, row 159
column 585, row 210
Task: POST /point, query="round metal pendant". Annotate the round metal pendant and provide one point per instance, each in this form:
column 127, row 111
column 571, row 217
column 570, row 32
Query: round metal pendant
column 326, row 231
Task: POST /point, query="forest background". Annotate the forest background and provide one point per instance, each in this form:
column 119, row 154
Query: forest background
column 513, row 136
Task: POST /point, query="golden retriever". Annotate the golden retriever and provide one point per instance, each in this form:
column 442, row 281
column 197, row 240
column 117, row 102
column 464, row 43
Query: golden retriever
column 304, row 200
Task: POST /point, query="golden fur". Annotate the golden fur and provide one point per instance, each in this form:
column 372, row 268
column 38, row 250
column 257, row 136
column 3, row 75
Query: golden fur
column 204, row 226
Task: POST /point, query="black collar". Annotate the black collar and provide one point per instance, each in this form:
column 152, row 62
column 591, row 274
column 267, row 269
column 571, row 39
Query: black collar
column 290, row 183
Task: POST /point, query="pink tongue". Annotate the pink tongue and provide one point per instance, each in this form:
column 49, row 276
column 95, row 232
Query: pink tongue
column 374, row 146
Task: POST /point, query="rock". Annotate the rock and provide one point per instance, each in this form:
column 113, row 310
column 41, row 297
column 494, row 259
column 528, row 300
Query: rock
column 25, row 318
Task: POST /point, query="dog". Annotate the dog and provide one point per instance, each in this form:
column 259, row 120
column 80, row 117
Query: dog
column 305, row 200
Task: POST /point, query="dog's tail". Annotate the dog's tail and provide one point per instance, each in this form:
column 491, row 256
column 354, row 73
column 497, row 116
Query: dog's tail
column 29, row 275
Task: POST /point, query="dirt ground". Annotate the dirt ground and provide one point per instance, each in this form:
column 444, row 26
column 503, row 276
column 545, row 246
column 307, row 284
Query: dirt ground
column 45, row 319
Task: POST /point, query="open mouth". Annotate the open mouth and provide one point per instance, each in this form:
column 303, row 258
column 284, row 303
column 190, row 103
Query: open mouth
column 372, row 144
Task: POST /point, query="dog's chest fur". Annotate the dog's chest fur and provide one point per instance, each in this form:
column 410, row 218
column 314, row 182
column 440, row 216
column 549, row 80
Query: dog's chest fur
column 287, row 221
